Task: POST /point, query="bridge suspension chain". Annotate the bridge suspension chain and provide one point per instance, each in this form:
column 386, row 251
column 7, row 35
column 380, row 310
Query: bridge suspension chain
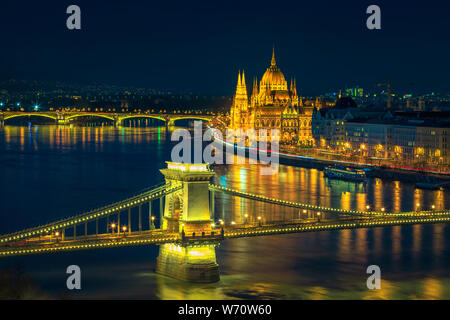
column 299, row 205
column 152, row 194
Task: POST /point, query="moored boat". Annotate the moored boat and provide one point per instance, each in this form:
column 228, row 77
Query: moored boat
column 344, row 173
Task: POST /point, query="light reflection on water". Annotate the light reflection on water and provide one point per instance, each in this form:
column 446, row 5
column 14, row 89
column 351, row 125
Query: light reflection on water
column 49, row 172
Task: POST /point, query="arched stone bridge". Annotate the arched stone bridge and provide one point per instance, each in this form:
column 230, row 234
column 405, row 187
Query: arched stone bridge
column 117, row 118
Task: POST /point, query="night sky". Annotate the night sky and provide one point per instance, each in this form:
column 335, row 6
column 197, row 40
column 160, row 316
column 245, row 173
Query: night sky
column 200, row 46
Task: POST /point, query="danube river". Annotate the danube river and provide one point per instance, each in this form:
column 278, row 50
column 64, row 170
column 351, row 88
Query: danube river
column 50, row 172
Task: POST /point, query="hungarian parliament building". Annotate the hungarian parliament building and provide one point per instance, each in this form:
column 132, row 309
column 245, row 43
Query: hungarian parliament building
column 273, row 105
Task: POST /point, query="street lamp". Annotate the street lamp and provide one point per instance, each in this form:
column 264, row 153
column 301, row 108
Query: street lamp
column 152, row 225
column 113, row 226
column 367, row 207
column 124, row 229
column 318, row 216
column 259, row 220
column 433, row 207
column 382, row 209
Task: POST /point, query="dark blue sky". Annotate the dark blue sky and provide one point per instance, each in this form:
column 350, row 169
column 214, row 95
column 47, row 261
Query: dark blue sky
column 199, row 46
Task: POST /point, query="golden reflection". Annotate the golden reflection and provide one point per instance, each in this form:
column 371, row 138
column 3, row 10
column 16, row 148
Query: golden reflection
column 396, row 242
column 417, row 240
column 386, row 292
column 438, row 240
column 378, row 194
column 432, row 289
column 344, row 245
column 346, row 200
column 361, row 201
column 439, row 199
column 7, row 130
column 22, row 138
column 171, row 289
column 397, row 197
column 418, row 199
column 361, row 244
column 318, row 293
column 378, row 240
column 313, row 176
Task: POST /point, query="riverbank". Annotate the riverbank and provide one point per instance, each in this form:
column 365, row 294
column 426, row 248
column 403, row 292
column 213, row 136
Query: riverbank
column 378, row 171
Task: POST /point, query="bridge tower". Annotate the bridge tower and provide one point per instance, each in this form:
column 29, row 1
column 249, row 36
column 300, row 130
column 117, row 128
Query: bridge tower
column 187, row 212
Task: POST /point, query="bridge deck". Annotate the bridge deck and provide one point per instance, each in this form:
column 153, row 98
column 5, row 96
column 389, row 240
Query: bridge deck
column 156, row 237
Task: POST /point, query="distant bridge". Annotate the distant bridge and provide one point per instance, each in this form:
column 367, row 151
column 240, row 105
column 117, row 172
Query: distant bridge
column 188, row 233
column 116, row 118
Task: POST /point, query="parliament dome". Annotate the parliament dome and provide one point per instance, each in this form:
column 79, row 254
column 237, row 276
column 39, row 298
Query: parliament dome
column 273, row 78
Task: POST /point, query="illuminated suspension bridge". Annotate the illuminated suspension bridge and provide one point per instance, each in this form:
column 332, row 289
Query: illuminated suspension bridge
column 187, row 233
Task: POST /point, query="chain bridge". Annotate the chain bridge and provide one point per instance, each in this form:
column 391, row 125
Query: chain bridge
column 187, row 232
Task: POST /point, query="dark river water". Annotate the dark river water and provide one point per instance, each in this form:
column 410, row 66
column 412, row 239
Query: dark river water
column 50, row 172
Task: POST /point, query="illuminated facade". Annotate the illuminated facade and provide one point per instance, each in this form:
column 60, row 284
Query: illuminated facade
column 415, row 137
column 272, row 105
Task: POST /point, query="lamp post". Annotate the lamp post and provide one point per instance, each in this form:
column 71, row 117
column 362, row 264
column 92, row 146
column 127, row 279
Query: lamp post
column 152, row 224
column 259, row 221
column 113, row 226
column 245, row 219
column 318, row 216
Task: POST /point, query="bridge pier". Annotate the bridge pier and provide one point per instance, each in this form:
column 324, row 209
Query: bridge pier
column 61, row 119
column 193, row 263
column 187, row 213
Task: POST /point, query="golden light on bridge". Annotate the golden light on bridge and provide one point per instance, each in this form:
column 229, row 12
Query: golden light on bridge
column 196, row 167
